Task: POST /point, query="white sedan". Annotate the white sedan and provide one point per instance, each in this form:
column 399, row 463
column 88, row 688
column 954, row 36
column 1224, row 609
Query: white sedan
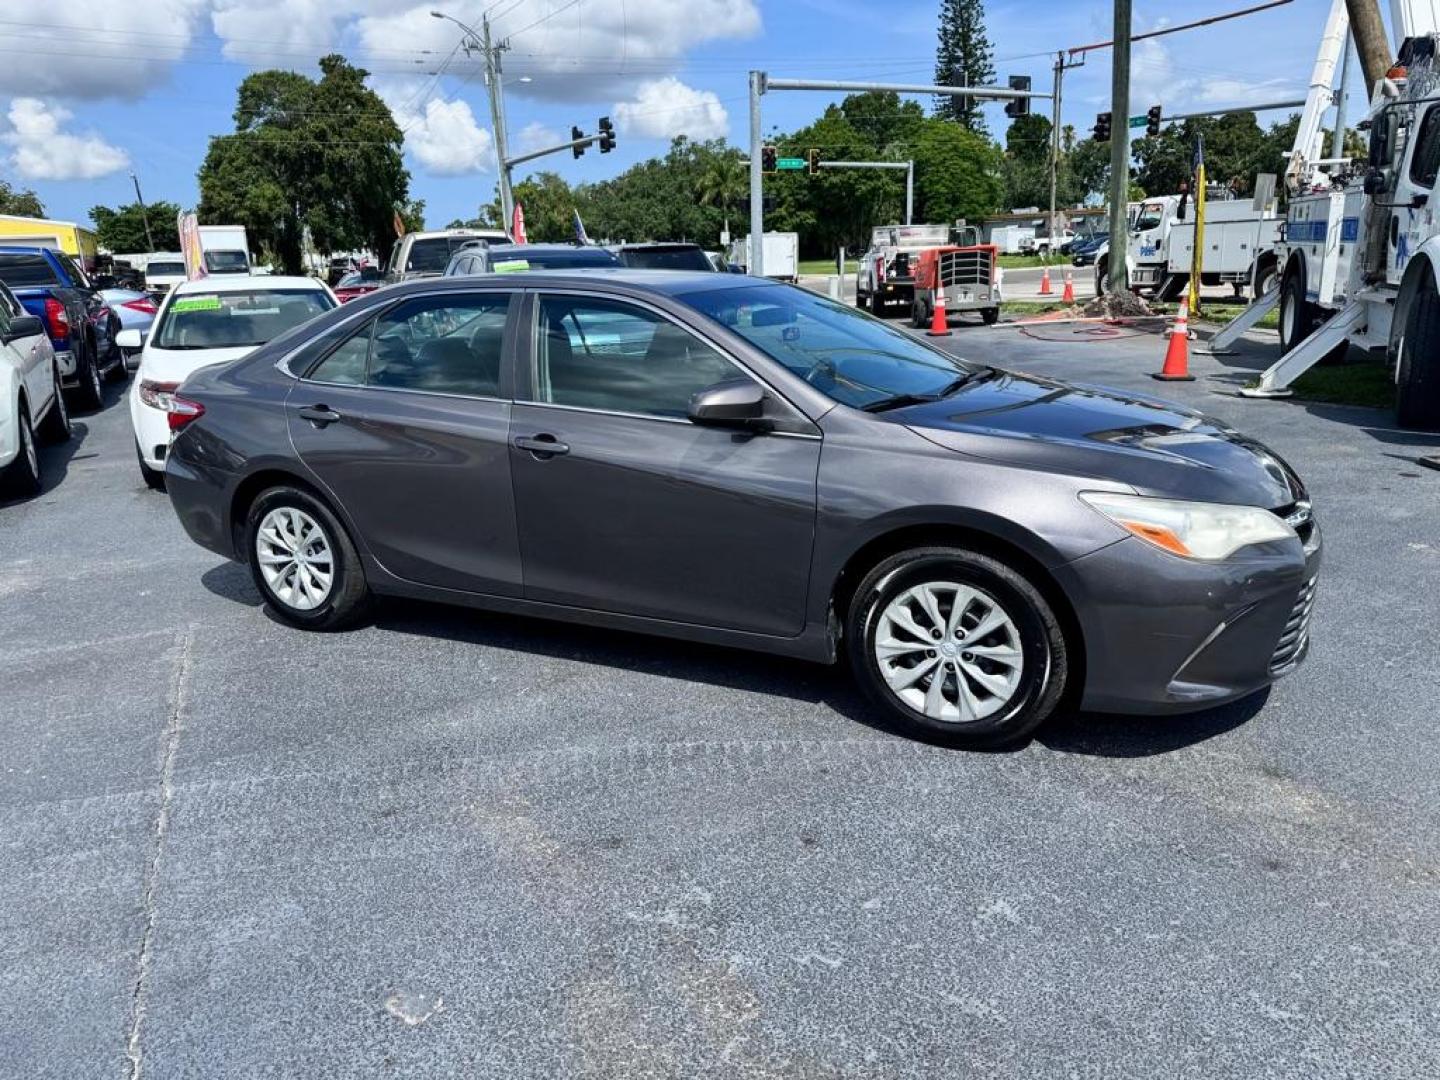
column 208, row 321
column 31, row 403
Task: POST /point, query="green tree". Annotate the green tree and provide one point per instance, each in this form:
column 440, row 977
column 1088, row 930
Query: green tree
column 20, row 203
column 1088, row 168
column 1027, row 162
column 723, row 183
column 319, row 155
column 962, row 53
column 958, row 173
column 122, row 229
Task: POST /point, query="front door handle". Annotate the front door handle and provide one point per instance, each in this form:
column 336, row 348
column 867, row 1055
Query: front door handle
column 544, row 446
column 319, row 415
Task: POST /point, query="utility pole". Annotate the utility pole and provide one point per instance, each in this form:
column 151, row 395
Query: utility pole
column 480, row 41
column 144, row 214
column 757, row 205
column 1371, row 44
column 1119, row 146
column 1055, row 143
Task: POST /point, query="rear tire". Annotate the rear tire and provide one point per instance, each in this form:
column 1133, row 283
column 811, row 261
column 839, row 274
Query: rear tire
column 997, row 685
column 322, row 585
column 877, row 305
column 89, row 394
column 991, row 315
column 1417, row 372
column 21, row 478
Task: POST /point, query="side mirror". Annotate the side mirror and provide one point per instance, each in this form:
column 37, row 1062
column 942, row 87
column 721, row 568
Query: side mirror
column 130, row 339
column 734, row 268
column 732, row 403
column 23, row 326
column 1375, row 182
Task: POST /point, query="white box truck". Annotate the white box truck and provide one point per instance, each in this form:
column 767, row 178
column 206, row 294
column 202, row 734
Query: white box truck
column 225, row 248
column 782, row 255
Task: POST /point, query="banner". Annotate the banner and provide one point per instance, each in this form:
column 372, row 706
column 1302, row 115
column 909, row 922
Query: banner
column 190, row 248
column 517, row 228
column 580, row 237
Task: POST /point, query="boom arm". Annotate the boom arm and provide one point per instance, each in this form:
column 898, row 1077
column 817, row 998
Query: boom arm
column 1322, row 82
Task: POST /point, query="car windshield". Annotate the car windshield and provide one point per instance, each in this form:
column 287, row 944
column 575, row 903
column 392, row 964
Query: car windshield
column 231, row 320
column 1150, row 217
column 351, row 281
column 21, row 271
column 430, row 256
column 666, row 258
column 226, row 262
column 844, row 353
column 164, row 269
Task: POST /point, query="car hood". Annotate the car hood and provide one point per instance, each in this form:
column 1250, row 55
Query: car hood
column 176, row 365
column 1155, row 446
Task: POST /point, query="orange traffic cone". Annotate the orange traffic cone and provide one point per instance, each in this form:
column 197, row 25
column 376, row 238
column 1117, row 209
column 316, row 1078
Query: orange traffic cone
column 939, row 321
column 1177, row 354
column 1045, row 289
column 1068, row 296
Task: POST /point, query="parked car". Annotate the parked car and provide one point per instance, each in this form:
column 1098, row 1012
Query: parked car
column 358, row 284
column 210, row 321
column 725, row 459
column 481, row 257
column 426, row 254
column 1085, row 252
column 664, row 256
column 164, row 272
column 80, row 326
column 135, row 310
column 341, row 267
column 32, row 404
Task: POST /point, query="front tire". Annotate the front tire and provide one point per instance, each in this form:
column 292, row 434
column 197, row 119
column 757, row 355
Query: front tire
column 1417, row 372
column 956, row 647
column 21, row 478
column 55, row 428
column 303, row 561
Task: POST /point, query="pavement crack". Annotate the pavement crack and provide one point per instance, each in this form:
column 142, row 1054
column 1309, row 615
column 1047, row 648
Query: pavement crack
column 179, row 690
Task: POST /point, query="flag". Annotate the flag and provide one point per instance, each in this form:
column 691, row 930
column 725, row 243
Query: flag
column 517, row 226
column 399, row 223
column 580, row 237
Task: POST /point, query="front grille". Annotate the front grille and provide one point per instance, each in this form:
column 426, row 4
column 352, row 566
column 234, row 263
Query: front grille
column 1299, row 517
column 965, row 268
column 1296, row 633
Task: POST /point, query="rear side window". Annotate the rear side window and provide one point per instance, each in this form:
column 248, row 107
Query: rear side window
column 1426, row 163
column 676, row 258
column 24, row 271
column 449, row 344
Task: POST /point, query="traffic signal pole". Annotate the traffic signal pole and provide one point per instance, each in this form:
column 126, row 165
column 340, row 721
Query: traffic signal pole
column 761, row 83
column 1119, row 147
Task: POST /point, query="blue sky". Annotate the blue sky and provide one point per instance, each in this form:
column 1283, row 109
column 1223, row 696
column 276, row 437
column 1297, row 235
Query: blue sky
column 154, row 81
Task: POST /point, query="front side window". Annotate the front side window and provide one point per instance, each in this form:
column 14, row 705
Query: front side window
column 439, row 344
column 606, row 354
column 239, row 319
column 844, row 353
column 1426, row 163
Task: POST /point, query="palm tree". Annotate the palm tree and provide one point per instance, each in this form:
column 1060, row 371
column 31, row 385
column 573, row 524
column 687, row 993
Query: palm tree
column 722, row 183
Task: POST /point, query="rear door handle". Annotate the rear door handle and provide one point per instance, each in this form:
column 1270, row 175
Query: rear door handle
column 543, row 446
column 319, row 415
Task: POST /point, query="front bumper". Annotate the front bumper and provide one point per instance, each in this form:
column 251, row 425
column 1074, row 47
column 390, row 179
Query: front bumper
column 1167, row 634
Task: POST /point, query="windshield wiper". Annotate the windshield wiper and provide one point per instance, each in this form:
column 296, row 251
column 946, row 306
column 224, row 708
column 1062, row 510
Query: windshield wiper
column 900, row 401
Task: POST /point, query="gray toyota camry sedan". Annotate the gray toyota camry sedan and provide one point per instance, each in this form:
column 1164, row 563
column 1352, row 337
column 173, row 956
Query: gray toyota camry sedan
column 724, row 459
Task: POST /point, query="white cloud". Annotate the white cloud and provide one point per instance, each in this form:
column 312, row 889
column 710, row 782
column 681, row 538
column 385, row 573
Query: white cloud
column 277, row 33
column 41, row 151
column 445, row 139
column 534, row 136
column 121, row 50
column 664, row 108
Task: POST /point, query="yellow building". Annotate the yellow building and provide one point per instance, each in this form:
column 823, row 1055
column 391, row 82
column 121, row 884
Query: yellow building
column 74, row 240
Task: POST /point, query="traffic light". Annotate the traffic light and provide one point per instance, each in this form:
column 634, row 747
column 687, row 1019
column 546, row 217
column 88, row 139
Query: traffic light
column 575, row 136
column 1018, row 106
column 607, row 135
column 814, row 158
column 1101, row 129
column 1152, row 121
column 767, row 159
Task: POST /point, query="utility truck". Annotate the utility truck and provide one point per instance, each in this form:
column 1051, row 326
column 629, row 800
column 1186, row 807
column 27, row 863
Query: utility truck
column 1240, row 238
column 886, row 272
column 1360, row 261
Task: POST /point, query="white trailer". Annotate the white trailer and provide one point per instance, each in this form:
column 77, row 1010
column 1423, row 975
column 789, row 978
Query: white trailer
column 1012, row 239
column 782, row 255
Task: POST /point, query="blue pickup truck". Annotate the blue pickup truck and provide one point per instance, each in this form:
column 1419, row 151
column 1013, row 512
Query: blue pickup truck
column 81, row 327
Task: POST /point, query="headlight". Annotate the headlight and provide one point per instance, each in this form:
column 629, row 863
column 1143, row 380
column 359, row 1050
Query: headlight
column 1190, row 529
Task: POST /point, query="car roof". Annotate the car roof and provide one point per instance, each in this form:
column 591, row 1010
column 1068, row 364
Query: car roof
column 246, row 282
column 621, row 278
column 22, row 249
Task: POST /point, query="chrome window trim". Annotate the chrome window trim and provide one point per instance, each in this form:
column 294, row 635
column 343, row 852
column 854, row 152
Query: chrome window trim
column 533, row 370
column 685, row 420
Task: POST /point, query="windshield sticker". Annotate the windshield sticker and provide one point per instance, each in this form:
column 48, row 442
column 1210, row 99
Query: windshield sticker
column 510, row 266
column 196, row 303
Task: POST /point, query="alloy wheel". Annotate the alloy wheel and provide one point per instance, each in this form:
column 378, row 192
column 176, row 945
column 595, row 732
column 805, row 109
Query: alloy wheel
column 294, row 557
column 27, row 447
column 949, row 651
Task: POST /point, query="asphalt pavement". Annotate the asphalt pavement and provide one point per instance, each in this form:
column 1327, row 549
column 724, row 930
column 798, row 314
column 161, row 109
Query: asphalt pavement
column 454, row 844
